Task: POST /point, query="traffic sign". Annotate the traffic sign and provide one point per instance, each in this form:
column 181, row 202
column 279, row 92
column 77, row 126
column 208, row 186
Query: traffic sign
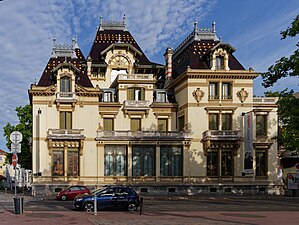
column 15, row 148
column 14, row 159
column 16, row 137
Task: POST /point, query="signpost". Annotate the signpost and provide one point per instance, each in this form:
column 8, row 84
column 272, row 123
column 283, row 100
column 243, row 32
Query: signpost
column 15, row 137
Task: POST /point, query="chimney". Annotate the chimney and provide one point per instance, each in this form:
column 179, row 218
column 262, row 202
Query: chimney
column 168, row 60
column 89, row 66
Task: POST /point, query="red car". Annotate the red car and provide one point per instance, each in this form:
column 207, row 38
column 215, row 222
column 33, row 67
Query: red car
column 71, row 192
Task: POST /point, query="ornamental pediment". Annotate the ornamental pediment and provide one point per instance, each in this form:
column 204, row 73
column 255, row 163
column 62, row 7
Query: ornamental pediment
column 43, row 91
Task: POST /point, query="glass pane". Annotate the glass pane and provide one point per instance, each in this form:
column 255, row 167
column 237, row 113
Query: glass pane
column 226, row 121
column 135, row 124
column 213, row 121
column 68, row 119
column 109, row 165
column 171, row 160
column 226, row 163
column 181, row 123
column 143, row 160
column 108, row 124
column 164, row 165
column 213, row 91
column 212, row 168
column 162, row 124
column 261, row 125
column 120, row 165
column 219, row 63
column 136, row 165
column 65, row 84
column 73, row 163
column 261, row 163
column 58, row 163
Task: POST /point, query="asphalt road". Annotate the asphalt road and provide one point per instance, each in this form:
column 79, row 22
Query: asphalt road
column 210, row 204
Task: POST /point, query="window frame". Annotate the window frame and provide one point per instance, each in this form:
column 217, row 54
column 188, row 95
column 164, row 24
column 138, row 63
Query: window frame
column 213, row 90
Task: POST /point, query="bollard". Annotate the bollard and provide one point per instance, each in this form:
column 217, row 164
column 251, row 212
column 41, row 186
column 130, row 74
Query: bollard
column 95, row 208
column 141, row 206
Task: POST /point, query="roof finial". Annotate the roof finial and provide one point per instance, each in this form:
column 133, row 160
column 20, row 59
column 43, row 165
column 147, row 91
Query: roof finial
column 124, row 19
column 101, row 20
column 195, row 27
column 75, row 42
column 54, row 40
column 214, row 27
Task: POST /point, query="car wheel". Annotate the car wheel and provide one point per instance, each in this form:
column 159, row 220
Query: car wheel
column 88, row 207
column 63, row 198
column 132, row 206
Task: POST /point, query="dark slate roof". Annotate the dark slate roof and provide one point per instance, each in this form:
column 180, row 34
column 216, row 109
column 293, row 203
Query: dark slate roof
column 196, row 56
column 46, row 79
column 106, row 37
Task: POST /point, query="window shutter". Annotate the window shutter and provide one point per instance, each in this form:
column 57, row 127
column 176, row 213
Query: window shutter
column 130, row 94
column 142, row 94
column 62, row 120
column 68, row 118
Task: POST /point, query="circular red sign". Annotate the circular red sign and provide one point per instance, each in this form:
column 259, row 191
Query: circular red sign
column 14, row 159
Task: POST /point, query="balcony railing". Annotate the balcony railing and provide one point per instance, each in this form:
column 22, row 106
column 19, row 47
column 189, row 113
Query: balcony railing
column 135, row 135
column 135, row 76
column 132, row 104
column 222, row 135
column 265, row 100
column 66, row 96
column 65, row 134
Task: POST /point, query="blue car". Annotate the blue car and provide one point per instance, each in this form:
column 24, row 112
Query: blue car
column 122, row 197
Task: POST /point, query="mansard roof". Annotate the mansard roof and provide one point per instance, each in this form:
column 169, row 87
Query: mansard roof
column 65, row 56
column 113, row 35
column 195, row 50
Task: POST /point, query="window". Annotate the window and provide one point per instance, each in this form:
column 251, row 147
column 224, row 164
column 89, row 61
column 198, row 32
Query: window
column 136, row 94
column 163, row 124
column 226, row 121
column 222, row 168
column 65, row 120
column 73, row 162
column 181, row 123
column 108, row 97
column 261, row 125
column 213, row 121
column 226, row 91
column 65, row 84
column 161, row 97
column 213, row 91
column 171, row 161
column 115, row 160
column 108, row 124
column 58, row 163
column 226, row 163
column 219, row 63
column 143, row 160
column 135, row 124
column 261, row 163
column 212, row 169
column 0, row 158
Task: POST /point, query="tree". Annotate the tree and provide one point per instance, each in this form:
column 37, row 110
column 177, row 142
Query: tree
column 288, row 104
column 284, row 66
column 25, row 127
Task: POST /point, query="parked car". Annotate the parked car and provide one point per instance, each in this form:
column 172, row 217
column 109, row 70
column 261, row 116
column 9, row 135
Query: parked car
column 122, row 197
column 71, row 192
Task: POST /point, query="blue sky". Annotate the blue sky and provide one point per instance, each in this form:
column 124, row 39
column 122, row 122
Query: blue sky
column 27, row 28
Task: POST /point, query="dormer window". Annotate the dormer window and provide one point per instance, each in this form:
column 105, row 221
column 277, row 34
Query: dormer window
column 219, row 63
column 65, row 84
column 108, row 97
column 160, row 96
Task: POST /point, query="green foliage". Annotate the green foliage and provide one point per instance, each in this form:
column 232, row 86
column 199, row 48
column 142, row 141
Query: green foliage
column 285, row 66
column 25, row 127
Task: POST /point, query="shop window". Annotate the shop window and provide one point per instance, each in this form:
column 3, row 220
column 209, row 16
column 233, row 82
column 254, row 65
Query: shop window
column 261, row 163
column 171, row 160
column 143, row 160
column 212, row 163
column 115, row 160
column 58, row 163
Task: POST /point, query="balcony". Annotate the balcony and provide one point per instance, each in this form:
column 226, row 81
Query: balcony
column 136, row 105
column 221, row 135
column 66, row 97
column 69, row 134
column 135, row 77
column 142, row 135
column 265, row 100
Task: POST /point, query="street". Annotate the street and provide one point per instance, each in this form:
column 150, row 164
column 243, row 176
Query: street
column 208, row 210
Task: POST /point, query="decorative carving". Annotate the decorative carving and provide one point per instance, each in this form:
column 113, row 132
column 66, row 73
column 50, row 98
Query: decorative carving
column 198, row 94
column 242, row 95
